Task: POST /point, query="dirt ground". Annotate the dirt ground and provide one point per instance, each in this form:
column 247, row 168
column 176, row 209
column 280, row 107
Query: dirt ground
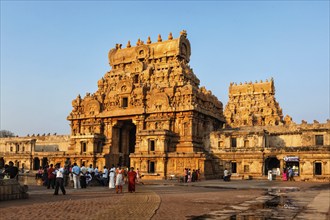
column 162, row 200
column 191, row 202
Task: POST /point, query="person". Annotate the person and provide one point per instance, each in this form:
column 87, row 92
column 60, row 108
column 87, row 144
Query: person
column 82, row 178
column 76, row 176
column 194, row 176
column 137, row 175
column 51, row 177
column 119, row 180
column 105, row 175
column 91, row 169
column 112, row 177
column 198, row 175
column 12, row 171
column 67, row 166
column 96, row 172
column 291, row 174
column 284, row 175
column 270, row 175
column 189, row 176
column 185, row 175
column 39, row 173
column 59, row 180
column 131, row 180
column 226, row 175
column 45, row 175
column 88, row 178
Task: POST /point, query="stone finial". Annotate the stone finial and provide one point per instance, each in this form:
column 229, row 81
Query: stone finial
column 120, row 45
column 149, row 40
column 315, row 122
column 138, row 42
column 170, row 37
column 183, row 33
column 159, row 38
column 128, row 44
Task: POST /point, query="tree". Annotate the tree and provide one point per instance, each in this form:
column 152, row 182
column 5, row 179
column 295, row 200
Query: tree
column 5, row 133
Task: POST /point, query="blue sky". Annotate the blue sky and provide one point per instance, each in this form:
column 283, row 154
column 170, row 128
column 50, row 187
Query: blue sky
column 51, row 51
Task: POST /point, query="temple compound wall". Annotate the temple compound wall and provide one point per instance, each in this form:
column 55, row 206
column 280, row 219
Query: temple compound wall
column 148, row 112
column 257, row 139
column 34, row 151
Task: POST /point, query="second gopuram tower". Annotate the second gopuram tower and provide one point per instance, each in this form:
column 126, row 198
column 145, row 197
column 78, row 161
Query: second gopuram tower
column 148, row 112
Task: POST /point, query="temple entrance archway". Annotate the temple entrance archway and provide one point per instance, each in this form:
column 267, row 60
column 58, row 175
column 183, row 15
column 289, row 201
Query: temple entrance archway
column 123, row 142
column 270, row 164
column 36, row 163
column 44, row 162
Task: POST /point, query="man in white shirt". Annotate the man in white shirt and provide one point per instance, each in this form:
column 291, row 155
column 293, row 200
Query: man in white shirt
column 90, row 169
column 59, row 179
column 105, row 176
column 226, row 175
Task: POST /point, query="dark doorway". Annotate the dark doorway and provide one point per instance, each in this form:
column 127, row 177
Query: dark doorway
column 36, row 163
column 123, row 139
column 270, row 164
column 44, row 162
column 151, row 167
column 233, row 167
column 318, row 168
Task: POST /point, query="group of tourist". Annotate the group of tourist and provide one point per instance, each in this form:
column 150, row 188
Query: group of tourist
column 81, row 177
column 191, row 176
column 10, row 171
column 288, row 174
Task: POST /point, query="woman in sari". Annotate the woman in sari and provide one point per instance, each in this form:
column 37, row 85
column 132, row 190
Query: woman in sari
column 285, row 175
column 131, row 180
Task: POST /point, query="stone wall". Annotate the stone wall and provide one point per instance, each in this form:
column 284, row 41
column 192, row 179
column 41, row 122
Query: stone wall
column 10, row 189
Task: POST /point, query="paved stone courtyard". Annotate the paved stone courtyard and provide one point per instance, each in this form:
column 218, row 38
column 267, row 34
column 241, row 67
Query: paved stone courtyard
column 211, row 199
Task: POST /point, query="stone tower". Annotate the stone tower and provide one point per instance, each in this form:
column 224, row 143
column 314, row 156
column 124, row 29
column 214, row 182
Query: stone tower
column 148, row 112
column 253, row 104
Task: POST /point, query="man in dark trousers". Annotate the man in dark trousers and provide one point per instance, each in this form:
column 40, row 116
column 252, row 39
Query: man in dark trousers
column 59, row 180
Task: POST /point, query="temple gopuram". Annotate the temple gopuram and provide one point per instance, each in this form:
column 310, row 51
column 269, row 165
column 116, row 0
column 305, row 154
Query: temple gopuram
column 149, row 112
column 257, row 139
column 253, row 104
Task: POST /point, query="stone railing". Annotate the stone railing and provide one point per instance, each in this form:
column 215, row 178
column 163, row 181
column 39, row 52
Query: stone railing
column 11, row 189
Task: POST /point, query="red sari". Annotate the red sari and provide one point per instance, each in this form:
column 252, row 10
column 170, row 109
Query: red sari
column 131, row 181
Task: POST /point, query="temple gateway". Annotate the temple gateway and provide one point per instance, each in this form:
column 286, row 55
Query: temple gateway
column 150, row 112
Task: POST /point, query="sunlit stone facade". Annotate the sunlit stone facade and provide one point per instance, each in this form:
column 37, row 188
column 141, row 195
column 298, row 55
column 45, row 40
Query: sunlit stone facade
column 149, row 112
